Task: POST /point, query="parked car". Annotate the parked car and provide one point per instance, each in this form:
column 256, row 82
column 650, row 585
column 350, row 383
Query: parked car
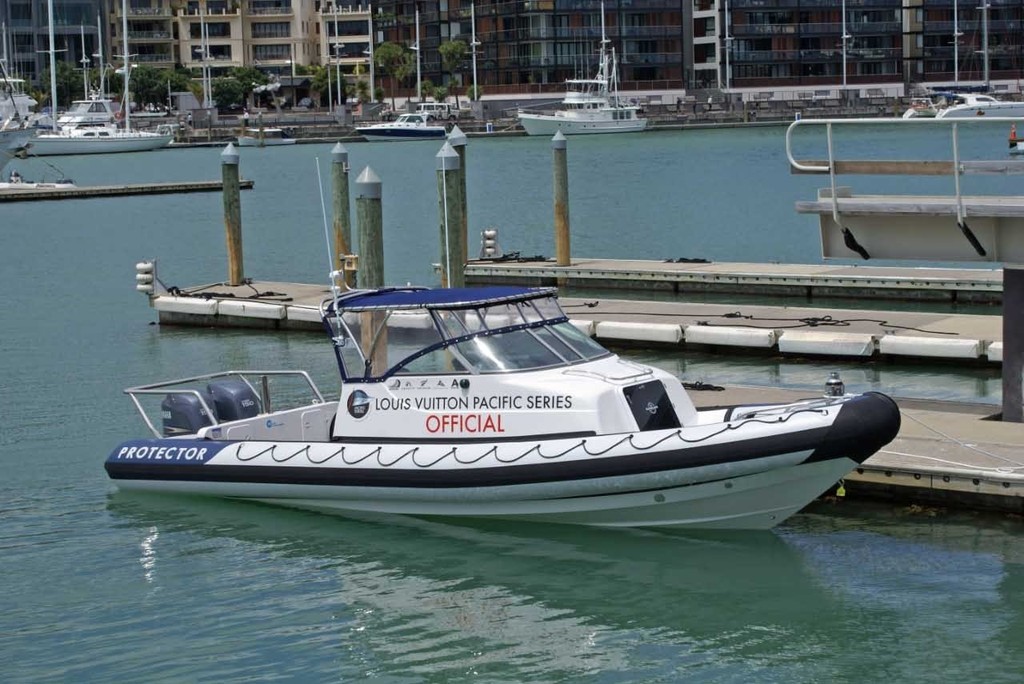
column 438, row 110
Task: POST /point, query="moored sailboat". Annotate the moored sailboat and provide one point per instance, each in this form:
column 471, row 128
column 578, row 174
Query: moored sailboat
column 90, row 127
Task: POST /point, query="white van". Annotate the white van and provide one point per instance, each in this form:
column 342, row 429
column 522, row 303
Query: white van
column 438, row 110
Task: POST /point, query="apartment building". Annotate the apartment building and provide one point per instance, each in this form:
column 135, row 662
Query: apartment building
column 527, row 46
column 538, row 44
column 808, row 44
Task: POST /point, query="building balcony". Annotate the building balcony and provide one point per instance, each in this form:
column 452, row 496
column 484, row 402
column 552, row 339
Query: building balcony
column 149, row 35
column 212, row 12
column 269, row 11
column 148, row 12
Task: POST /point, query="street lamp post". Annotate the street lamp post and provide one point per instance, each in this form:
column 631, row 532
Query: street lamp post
column 728, row 49
column 369, row 53
column 846, row 37
column 474, row 44
column 419, row 78
column 956, row 46
column 984, row 41
column 337, row 57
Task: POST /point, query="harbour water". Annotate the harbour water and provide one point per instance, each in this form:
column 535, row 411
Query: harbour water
column 101, row 586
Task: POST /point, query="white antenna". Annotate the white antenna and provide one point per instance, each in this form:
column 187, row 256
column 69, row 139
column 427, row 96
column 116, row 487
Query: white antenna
column 334, row 273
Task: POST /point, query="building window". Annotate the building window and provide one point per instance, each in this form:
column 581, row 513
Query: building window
column 274, row 29
column 271, row 52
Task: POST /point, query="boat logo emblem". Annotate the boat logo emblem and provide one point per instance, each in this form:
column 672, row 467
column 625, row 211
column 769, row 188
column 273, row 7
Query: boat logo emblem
column 358, row 404
column 651, row 408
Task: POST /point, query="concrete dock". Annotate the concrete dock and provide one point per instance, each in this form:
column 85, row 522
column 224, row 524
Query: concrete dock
column 798, row 331
column 797, row 280
column 86, row 192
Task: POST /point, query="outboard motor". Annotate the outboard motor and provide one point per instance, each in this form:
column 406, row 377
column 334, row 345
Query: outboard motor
column 233, row 399
column 183, row 414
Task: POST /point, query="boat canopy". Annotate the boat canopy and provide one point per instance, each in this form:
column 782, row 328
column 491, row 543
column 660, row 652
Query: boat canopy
column 444, row 298
column 417, row 331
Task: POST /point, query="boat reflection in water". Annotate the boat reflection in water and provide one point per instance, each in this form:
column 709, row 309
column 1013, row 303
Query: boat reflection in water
column 519, row 602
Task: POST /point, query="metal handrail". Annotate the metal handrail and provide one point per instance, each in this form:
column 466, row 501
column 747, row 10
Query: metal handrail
column 958, row 167
column 170, row 387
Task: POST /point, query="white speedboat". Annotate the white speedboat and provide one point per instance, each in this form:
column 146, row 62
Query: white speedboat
column 16, row 182
column 96, row 140
column 405, row 127
column 266, row 137
column 591, row 105
column 971, row 105
column 921, row 107
column 489, row 403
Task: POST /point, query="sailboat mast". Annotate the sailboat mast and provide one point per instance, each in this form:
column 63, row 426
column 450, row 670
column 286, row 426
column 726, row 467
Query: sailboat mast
column 103, row 65
column 127, row 67
column 53, row 68
column 85, row 66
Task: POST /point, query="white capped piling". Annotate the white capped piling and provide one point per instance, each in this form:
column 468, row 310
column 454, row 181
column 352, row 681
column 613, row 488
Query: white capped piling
column 341, row 208
column 232, row 213
column 453, row 256
column 561, row 189
column 457, row 139
column 371, row 235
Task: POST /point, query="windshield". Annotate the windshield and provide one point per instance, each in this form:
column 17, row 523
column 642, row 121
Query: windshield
column 501, row 338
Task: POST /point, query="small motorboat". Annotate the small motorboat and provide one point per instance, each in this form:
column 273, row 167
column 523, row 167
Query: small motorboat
column 921, row 107
column 265, row 137
column 1015, row 146
column 489, row 403
column 405, row 127
column 15, row 182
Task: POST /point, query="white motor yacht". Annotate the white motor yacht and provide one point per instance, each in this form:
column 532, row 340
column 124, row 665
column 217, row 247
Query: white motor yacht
column 405, row 127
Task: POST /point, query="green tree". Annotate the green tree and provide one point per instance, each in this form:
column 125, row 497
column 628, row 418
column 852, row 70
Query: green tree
column 394, row 60
column 249, row 77
column 363, row 90
column 228, row 91
column 151, row 85
column 318, row 83
column 453, row 56
column 439, row 93
column 69, row 84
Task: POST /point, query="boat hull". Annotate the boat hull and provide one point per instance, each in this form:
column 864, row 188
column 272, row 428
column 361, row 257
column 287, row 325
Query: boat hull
column 737, row 474
column 549, row 124
column 43, row 146
column 12, row 143
column 246, row 141
column 435, row 133
column 1001, row 109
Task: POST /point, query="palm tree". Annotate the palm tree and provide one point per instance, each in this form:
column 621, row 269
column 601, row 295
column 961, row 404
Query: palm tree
column 396, row 61
column 453, row 54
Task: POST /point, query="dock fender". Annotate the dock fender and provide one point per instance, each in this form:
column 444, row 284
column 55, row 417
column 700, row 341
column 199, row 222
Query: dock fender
column 864, row 425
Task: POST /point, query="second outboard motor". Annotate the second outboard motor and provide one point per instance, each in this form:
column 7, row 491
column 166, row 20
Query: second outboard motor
column 233, row 399
column 183, row 414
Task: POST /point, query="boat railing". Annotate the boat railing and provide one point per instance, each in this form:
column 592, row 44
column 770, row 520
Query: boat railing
column 261, row 387
column 956, row 167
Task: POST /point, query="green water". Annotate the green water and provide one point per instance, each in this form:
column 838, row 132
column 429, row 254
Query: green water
column 104, row 587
